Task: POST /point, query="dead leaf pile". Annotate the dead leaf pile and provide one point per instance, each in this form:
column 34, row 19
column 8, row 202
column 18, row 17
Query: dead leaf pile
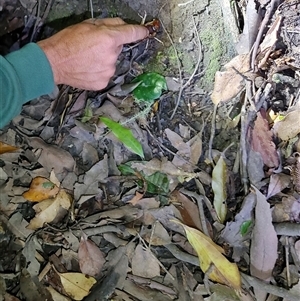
column 104, row 198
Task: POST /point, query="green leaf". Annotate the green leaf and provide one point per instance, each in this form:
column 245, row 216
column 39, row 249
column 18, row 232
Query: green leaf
column 219, row 178
column 245, row 227
column 124, row 135
column 88, row 114
column 150, row 88
column 48, row 185
column 157, row 183
column 126, row 170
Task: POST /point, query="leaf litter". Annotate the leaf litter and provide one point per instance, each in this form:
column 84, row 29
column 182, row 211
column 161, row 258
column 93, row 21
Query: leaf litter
column 93, row 216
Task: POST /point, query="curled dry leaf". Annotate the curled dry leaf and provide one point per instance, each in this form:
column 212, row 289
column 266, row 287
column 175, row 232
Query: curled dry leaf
column 6, row 148
column 41, row 189
column 91, row 259
column 230, row 82
column 262, row 141
column 50, row 210
column 212, row 260
column 188, row 210
column 76, row 285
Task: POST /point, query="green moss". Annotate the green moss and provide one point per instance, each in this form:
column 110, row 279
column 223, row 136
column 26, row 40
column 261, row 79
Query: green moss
column 166, row 62
column 213, row 43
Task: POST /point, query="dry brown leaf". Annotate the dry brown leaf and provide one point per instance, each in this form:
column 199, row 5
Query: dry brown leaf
column 148, row 203
column 135, row 200
column 287, row 211
column 91, row 259
column 157, row 235
column 230, row 82
column 50, row 209
column 188, row 210
column 144, row 264
column 263, row 251
column 6, row 148
column 262, row 141
column 52, row 157
column 278, row 182
column 196, row 148
column 41, row 189
column 267, row 45
column 289, row 127
column 183, row 155
column 177, row 142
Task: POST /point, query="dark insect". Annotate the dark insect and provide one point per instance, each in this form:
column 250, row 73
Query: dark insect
column 153, row 27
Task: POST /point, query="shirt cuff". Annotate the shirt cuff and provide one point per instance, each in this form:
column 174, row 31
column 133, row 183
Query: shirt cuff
column 33, row 70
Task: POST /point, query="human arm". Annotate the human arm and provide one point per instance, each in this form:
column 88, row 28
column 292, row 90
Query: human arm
column 24, row 75
column 82, row 55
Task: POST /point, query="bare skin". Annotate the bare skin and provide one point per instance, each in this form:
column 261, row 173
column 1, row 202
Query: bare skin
column 84, row 55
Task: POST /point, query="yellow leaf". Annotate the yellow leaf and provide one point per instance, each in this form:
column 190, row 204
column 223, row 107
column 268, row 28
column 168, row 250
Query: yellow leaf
column 211, row 259
column 50, row 209
column 40, row 189
column 219, row 178
column 77, row 285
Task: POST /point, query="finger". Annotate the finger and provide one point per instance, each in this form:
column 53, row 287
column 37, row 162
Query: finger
column 129, row 33
column 112, row 21
column 107, row 21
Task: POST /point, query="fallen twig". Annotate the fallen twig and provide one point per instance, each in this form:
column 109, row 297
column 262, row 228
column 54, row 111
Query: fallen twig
column 212, row 134
column 260, row 33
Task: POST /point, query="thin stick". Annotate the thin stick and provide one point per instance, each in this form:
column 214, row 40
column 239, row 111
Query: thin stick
column 92, row 9
column 260, row 33
column 287, row 253
column 185, row 3
column 175, row 50
column 212, row 135
column 194, row 72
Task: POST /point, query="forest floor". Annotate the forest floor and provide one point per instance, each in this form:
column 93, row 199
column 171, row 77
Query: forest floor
column 194, row 195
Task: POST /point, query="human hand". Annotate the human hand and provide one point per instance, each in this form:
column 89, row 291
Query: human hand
column 84, row 55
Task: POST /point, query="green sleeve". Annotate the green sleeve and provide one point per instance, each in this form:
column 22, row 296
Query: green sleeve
column 24, row 75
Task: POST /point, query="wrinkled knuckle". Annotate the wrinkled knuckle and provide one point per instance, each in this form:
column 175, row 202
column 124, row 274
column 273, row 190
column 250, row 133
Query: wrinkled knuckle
column 119, row 20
